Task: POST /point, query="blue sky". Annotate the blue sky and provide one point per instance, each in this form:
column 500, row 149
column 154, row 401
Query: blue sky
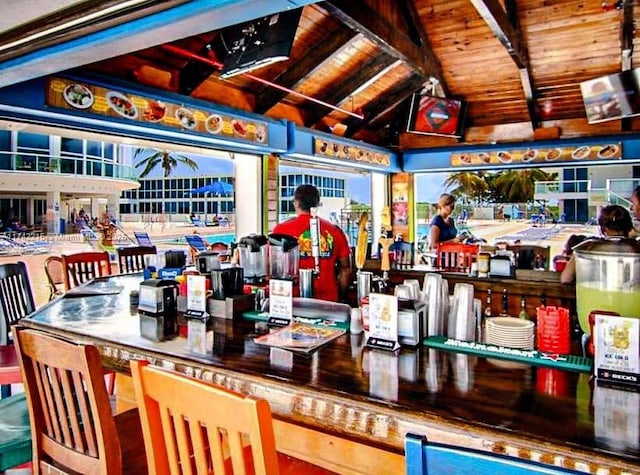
column 428, row 186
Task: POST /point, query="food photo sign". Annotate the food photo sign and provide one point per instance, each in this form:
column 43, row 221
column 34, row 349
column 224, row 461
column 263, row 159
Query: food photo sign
column 68, row 94
column 333, row 149
column 542, row 155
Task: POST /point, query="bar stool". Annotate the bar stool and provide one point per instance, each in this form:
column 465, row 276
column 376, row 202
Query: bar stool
column 16, row 301
column 84, row 266
column 193, row 440
column 72, row 426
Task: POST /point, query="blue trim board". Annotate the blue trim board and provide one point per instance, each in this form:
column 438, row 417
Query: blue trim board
column 187, row 19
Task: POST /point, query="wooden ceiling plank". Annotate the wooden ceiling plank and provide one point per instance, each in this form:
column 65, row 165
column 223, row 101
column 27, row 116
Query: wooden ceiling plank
column 504, row 25
column 350, row 83
column 304, row 68
column 389, row 100
column 389, row 38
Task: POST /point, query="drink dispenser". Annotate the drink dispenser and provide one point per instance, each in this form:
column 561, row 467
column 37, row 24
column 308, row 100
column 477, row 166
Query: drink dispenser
column 607, row 278
column 252, row 254
column 283, row 256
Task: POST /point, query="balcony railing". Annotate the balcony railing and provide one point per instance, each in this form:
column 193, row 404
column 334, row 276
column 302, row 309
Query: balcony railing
column 565, row 186
column 83, row 166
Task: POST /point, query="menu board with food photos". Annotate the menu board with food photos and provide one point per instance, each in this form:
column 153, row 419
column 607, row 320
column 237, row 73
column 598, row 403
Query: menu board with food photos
column 355, row 153
column 538, row 155
column 82, row 96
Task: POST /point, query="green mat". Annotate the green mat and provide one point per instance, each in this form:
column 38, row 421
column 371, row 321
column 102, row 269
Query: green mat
column 264, row 316
column 532, row 357
column 15, row 433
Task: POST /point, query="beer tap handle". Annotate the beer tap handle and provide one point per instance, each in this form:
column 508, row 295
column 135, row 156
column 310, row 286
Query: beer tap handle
column 314, row 231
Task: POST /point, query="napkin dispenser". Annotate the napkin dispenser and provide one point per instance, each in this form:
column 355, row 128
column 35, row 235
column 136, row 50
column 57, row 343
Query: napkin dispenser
column 500, row 266
column 158, row 308
column 411, row 318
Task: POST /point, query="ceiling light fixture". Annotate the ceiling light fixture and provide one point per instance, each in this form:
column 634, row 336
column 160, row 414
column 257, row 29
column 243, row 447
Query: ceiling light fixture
column 72, row 23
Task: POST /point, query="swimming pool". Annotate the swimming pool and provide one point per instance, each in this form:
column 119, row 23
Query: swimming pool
column 211, row 238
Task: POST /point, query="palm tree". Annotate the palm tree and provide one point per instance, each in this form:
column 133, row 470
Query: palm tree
column 469, row 184
column 518, row 186
column 152, row 158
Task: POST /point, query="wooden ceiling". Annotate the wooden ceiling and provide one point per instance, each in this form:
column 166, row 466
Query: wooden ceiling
column 518, row 64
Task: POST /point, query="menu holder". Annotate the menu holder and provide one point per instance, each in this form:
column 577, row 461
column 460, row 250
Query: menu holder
column 617, row 349
column 383, row 322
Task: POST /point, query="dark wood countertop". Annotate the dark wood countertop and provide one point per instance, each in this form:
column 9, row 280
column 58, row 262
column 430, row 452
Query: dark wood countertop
column 375, row 397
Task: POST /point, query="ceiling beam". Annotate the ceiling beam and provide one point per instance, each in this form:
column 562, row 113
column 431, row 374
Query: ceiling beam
column 349, row 84
column 505, row 26
column 626, row 41
column 416, row 30
column 302, row 69
column 391, row 98
column 382, row 32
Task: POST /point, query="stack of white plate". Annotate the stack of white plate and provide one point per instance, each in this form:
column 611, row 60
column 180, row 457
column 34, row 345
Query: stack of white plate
column 510, row 332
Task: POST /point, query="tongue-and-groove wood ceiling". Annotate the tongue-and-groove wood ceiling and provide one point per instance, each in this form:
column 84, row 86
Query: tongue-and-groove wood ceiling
column 517, row 63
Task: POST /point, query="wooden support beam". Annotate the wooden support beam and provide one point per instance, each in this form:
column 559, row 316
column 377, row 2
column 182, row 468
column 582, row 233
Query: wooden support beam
column 626, row 40
column 387, row 101
column 382, row 32
column 349, row 84
column 505, row 26
column 304, row 68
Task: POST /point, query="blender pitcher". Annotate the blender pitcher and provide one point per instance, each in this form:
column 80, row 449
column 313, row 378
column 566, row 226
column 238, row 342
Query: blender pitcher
column 252, row 254
column 607, row 278
column 283, row 257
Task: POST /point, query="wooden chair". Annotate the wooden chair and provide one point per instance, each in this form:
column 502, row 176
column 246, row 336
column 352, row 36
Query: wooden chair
column 54, row 271
column 131, row 259
column 183, row 438
column 403, row 255
column 16, row 301
column 426, row 458
column 72, row 427
column 84, row 266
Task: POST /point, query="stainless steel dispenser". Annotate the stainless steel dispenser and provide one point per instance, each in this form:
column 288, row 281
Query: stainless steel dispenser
column 158, row 309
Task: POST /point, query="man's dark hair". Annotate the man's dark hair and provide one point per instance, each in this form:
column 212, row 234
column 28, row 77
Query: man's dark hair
column 307, row 196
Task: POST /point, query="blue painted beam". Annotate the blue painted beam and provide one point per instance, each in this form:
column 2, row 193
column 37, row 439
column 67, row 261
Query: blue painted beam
column 191, row 18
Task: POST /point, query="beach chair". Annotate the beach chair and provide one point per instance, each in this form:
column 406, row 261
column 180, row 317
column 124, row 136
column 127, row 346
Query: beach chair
column 196, row 245
column 143, row 238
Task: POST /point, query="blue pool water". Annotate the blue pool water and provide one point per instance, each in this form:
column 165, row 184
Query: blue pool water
column 225, row 238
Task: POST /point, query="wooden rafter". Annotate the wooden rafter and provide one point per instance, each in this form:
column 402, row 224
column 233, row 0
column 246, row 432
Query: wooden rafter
column 349, row 84
column 505, row 26
column 389, row 100
column 304, row 68
column 409, row 10
column 626, row 41
column 381, row 31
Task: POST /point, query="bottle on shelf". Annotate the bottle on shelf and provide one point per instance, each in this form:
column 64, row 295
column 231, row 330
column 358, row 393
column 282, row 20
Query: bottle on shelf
column 487, row 308
column 523, row 308
column 505, row 304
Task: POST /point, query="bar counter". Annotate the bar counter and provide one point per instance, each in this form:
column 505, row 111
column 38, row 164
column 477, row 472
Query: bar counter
column 348, row 408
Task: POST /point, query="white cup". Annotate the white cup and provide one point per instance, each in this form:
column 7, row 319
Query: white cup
column 355, row 321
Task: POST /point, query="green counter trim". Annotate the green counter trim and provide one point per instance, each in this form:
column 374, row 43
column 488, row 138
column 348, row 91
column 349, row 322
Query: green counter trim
column 532, row 357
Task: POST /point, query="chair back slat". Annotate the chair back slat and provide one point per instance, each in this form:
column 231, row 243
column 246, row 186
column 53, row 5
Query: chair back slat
column 181, row 438
column 84, row 266
column 16, row 296
column 131, row 259
column 69, row 409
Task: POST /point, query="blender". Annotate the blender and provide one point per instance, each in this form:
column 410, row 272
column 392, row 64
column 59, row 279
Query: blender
column 607, row 278
column 252, row 255
column 283, row 257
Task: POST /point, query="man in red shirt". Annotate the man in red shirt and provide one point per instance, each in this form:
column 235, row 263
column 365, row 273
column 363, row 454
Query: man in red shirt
column 335, row 260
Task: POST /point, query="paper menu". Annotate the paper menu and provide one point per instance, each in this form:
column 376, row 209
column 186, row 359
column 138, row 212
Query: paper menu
column 281, row 299
column 197, row 292
column 617, row 349
column 383, row 322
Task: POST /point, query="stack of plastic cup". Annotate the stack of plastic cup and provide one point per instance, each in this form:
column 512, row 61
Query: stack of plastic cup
column 553, row 330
